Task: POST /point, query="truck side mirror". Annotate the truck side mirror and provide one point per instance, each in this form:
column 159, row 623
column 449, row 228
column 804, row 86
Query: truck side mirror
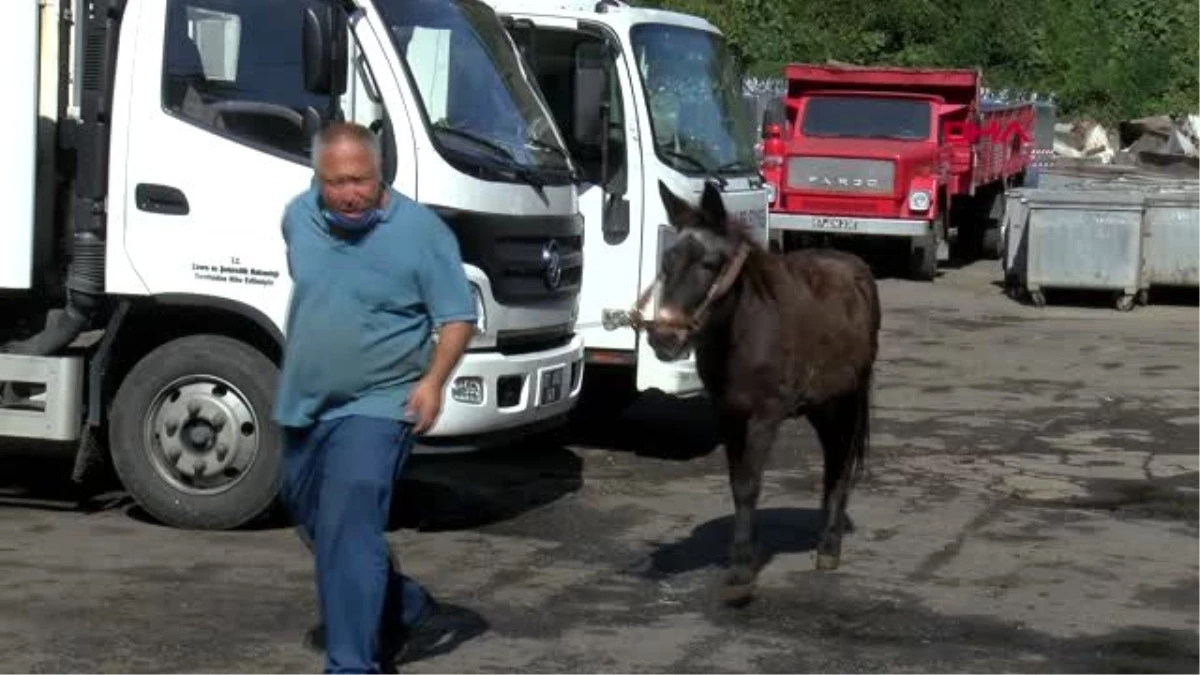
column 773, row 119
column 324, row 42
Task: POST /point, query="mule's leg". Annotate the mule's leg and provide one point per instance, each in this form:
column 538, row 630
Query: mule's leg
column 840, row 430
column 747, row 444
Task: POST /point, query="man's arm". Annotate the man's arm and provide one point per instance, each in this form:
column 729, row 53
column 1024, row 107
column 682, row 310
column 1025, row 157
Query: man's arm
column 453, row 338
column 447, row 295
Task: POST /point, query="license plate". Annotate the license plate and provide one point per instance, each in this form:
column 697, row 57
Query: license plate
column 829, row 223
column 552, row 386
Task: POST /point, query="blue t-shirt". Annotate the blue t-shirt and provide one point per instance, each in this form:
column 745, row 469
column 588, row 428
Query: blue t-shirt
column 360, row 321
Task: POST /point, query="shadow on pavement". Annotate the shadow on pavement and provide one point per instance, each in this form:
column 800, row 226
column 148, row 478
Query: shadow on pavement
column 612, row 416
column 40, row 477
column 459, row 492
column 436, row 493
column 782, row 531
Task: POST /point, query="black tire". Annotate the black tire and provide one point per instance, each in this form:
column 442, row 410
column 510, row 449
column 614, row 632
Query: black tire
column 922, row 262
column 992, row 246
column 235, row 380
column 968, row 245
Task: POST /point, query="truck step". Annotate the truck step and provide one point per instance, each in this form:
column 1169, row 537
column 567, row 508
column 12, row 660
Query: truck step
column 41, row 396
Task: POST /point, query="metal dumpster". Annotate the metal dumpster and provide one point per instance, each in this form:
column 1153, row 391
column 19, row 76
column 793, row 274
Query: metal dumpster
column 1083, row 239
column 1171, row 239
column 1012, row 233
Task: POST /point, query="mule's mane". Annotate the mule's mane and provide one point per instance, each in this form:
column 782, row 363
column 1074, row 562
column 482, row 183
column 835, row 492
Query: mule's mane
column 757, row 270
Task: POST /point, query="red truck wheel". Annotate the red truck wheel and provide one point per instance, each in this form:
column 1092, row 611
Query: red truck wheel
column 923, row 262
column 992, row 246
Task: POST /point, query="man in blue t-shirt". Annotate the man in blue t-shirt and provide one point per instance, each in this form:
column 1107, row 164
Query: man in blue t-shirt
column 374, row 275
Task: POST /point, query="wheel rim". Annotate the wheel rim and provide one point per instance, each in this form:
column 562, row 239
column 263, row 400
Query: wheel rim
column 202, row 434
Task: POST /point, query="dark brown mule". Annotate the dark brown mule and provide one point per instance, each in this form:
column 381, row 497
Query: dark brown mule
column 776, row 337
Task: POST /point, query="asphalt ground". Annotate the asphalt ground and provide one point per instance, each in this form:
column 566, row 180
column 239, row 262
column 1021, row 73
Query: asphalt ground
column 1031, row 506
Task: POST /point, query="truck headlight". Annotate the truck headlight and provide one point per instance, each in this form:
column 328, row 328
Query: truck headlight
column 770, row 193
column 480, row 310
column 918, row 201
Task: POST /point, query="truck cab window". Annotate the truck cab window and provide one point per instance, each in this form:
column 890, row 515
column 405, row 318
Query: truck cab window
column 482, row 114
column 564, row 60
column 865, row 117
column 693, row 84
column 363, row 104
column 235, row 68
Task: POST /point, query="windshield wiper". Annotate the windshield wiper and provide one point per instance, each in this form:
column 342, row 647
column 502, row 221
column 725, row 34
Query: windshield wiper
column 477, row 139
column 510, row 160
column 543, row 145
column 666, row 150
column 736, row 165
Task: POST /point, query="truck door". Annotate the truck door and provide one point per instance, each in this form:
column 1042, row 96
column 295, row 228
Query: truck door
column 584, row 83
column 218, row 141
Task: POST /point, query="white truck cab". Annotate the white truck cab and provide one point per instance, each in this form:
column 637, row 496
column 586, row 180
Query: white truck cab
column 143, row 278
column 642, row 96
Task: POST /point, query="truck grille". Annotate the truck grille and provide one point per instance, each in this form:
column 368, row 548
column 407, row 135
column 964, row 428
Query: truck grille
column 512, row 342
column 525, row 267
column 528, row 259
column 837, row 174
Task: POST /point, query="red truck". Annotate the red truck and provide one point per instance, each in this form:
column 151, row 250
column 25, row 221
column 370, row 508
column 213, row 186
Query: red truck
column 905, row 157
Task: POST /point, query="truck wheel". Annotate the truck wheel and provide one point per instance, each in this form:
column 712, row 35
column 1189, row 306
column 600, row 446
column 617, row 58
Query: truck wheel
column 968, row 246
column 992, row 246
column 191, row 435
column 922, row 261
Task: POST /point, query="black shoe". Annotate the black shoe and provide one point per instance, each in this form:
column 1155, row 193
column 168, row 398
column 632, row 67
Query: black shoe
column 439, row 629
column 392, row 638
column 314, row 638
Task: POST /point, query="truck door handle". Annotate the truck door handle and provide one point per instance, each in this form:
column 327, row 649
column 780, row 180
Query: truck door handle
column 161, row 199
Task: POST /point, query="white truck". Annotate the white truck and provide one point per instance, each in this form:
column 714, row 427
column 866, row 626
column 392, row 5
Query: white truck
column 642, row 96
column 143, row 283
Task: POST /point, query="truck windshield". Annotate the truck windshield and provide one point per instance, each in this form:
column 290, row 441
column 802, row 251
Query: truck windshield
column 693, row 84
column 863, row 117
column 481, row 107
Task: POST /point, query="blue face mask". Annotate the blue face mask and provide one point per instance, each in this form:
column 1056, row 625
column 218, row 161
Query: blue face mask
column 362, row 223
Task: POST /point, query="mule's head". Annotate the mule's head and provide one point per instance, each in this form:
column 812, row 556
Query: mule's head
column 690, row 267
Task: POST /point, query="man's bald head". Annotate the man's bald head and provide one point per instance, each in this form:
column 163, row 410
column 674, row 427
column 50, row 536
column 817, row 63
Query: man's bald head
column 348, row 165
column 350, row 133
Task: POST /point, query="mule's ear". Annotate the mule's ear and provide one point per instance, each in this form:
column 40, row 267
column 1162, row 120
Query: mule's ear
column 712, row 207
column 679, row 212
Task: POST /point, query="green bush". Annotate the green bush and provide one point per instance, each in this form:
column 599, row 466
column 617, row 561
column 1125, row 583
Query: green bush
column 1101, row 59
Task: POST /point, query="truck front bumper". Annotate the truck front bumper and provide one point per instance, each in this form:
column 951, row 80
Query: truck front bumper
column 851, row 225
column 492, row 398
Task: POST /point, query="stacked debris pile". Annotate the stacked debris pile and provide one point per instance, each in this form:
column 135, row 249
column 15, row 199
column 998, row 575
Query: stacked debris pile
column 1162, row 142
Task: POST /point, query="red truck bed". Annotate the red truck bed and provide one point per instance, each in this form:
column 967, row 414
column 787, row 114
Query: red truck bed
column 956, row 86
column 1004, row 145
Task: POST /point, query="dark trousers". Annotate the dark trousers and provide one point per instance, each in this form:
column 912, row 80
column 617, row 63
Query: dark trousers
column 337, row 484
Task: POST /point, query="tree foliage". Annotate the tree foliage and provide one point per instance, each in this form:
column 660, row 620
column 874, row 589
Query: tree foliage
column 1099, row 58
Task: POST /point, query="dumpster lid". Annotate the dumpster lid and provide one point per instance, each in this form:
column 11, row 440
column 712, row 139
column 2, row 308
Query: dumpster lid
column 1087, row 198
column 1174, row 196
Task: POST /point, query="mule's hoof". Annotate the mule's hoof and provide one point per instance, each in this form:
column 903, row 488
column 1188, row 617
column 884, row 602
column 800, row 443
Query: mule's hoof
column 828, row 561
column 737, row 595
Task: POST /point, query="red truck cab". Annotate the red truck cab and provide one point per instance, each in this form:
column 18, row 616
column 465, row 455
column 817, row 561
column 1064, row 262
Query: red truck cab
column 885, row 154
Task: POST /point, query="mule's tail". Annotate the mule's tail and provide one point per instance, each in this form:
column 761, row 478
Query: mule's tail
column 860, row 434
